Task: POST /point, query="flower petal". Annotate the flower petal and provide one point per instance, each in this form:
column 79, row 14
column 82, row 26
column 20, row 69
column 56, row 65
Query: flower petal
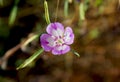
column 59, row 50
column 47, row 42
column 55, row 29
column 68, row 36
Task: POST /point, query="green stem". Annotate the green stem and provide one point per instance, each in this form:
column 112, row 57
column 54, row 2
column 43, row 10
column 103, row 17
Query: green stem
column 30, row 59
column 30, row 39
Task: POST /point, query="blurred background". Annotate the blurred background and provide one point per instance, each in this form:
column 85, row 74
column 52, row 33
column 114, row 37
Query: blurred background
column 96, row 24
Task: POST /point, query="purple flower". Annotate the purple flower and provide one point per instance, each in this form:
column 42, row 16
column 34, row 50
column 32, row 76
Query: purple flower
column 57, row 39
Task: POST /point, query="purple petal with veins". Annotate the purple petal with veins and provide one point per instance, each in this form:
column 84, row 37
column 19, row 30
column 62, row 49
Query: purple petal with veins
column 55, row 29
column 58, row 50
column 68, row 36
column 47, row 42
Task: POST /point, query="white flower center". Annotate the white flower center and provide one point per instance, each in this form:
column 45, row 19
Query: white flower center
column 59, row 41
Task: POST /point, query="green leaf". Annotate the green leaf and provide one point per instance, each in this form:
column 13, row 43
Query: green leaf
column 1, row 2
column 16, row 2
column 46, row 12
column 30, row 59
column 13, row 15
column 76, row 53
column 82, row 11
column 66, row 4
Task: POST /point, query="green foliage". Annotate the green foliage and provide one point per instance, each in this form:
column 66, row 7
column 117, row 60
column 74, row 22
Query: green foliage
column 30, row 59
column 66, row 5
column 38, row 28
column 18, row 62
column 16, row 2
column 82, row 11
column 76, row 53
column 86, row 4
column 46, row 12
column 1, row 2
column 4, row 29
column 13, row 15
column 98, row 2
column 94, row 33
